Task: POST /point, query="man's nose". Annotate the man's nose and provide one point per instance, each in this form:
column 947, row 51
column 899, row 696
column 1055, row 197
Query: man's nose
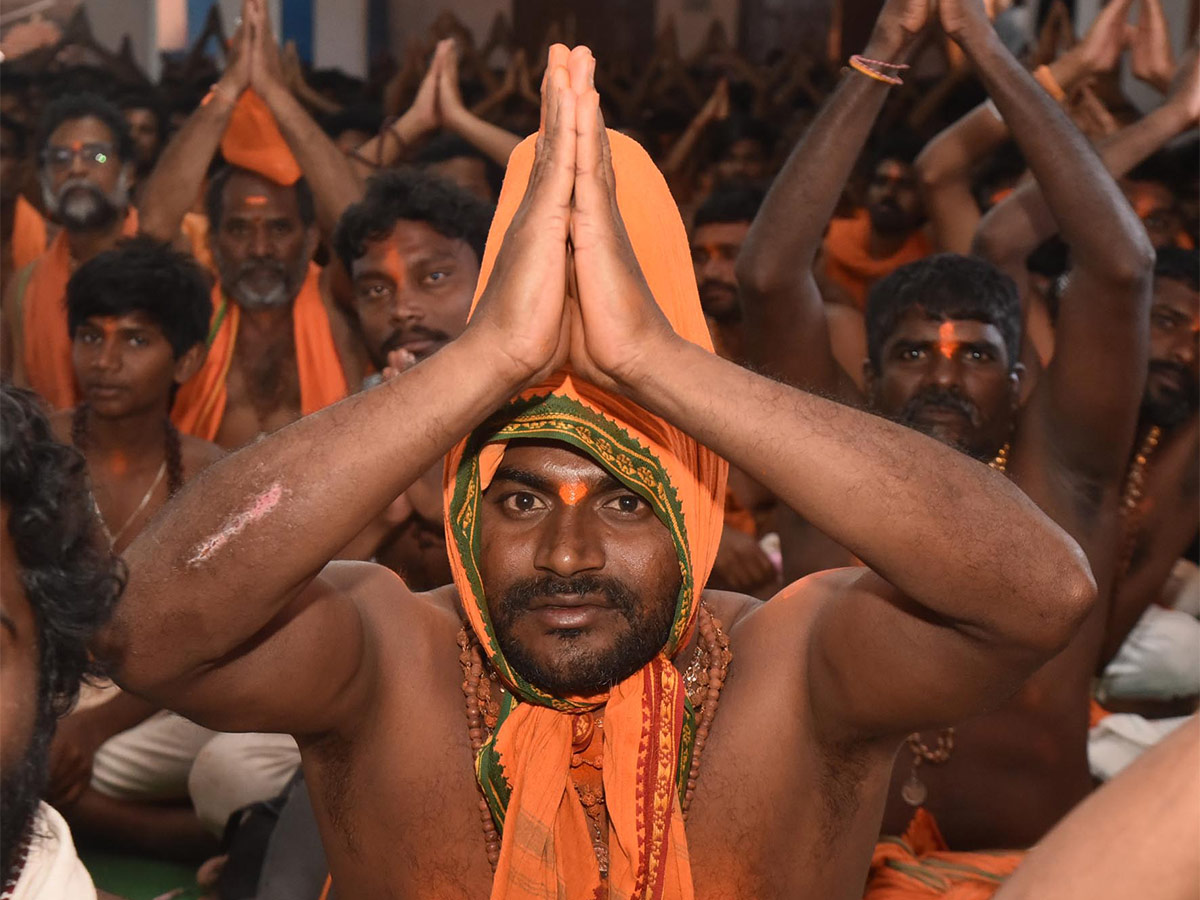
column 570, row 544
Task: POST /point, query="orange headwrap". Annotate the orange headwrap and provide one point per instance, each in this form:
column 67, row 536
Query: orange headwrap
column 546, row 851
column 252, row 141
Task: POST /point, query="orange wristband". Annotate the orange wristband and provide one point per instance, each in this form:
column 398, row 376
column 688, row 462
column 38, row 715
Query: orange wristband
column 858, row 66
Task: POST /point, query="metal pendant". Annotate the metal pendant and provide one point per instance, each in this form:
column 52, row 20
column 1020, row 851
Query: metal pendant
column 914, row 791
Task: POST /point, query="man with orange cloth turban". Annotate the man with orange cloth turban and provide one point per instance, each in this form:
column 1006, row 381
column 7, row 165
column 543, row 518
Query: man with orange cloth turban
column 575, row 716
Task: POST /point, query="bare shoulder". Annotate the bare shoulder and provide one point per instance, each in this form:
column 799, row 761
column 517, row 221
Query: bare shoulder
column 392, row 610
column 789, row 615
column 198, row 455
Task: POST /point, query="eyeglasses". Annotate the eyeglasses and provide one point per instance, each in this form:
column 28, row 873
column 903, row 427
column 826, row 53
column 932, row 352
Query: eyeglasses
column 94, row 155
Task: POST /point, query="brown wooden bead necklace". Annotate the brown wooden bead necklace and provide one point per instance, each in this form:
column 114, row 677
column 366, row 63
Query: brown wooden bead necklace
column 914, row 792
column 703, row 680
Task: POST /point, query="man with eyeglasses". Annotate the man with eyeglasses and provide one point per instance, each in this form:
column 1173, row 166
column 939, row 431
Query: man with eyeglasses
column 86, row 165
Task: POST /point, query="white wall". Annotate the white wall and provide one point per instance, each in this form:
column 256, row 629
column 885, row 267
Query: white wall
column 340, row 36
column 113, row 19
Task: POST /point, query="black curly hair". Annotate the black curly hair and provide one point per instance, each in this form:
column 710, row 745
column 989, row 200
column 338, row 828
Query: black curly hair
column 416, row 196
column 945, row 285
column 143, row 275
column 71, row 579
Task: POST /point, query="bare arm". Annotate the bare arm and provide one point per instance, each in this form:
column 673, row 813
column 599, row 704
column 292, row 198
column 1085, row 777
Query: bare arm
column 418, row 120
column 173, row 186
column 334, row 183
column 1089, row 395
column 227, row 606
column 943, row 641
column 491, row 139
column 784, row 315
column 944, row 166
column 1015, row 227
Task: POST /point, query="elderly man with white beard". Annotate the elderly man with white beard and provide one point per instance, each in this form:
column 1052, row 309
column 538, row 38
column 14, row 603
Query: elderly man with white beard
column 86, row 165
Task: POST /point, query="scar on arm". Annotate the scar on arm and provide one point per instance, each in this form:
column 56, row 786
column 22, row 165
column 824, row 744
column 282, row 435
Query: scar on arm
column 260, row 507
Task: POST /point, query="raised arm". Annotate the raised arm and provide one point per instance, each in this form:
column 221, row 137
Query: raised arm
column 945, row 165
column 782, row 307
column 915, row 644
column 1016, row 226
column 491, row 139
column 171, row 189
column 417, row 121
column 1088, row 399
column 335, row 184
column 228, row 606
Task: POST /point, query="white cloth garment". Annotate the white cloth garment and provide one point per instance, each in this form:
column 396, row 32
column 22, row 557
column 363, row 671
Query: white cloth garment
column 52, row 871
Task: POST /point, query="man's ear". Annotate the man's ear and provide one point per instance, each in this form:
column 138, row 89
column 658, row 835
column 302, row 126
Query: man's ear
column 190, row 362
column 1021, row 385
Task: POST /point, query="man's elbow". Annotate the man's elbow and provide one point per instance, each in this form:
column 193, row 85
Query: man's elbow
column 1129, row 264
column 1072, row 595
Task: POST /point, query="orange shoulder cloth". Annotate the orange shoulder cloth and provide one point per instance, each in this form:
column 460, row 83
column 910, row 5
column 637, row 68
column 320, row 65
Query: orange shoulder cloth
column 200, row 404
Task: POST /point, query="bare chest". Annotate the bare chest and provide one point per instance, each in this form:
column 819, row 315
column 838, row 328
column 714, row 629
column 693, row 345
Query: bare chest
column 262, row 393
column 400, row 810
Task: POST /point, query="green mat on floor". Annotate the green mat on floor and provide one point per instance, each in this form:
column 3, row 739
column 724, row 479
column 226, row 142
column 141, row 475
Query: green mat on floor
column 138, row 878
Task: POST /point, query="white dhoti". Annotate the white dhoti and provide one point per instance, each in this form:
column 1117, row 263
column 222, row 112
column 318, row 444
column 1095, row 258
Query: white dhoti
column 168, row 757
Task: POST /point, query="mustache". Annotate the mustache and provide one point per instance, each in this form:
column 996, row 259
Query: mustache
column 1166, row 367
column 520, row 596
column 257, row 264
column 939, row 398
column 402, row 336
column 74, row 184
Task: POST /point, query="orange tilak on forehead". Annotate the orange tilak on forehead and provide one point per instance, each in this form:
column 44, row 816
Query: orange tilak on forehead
column 255, row 200
column 948, row 340
column 572, row 492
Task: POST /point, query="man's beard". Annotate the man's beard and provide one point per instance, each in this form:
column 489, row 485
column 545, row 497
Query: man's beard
column 21, row 789
column 719, row 301
column 945, row 398
column 889, row 219
column 1168, row 408
column 282, row 285
column 578, row 672
column 80, row 205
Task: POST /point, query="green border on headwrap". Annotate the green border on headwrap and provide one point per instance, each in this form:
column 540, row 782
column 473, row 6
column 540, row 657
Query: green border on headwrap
column 555, row 417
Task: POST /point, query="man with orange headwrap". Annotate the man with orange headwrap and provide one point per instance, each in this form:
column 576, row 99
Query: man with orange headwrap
column 583, row 515
column 279, row 347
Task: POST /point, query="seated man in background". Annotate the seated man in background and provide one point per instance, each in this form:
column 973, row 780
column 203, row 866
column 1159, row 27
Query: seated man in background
column 280, row 348
column 944, row 339
column 884, row 234
column 58, row 584
column 412, row 247
column 138, row 316
column 86, row 170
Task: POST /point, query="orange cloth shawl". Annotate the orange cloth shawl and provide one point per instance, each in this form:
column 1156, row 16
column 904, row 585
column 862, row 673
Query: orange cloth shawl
column 524, row 770
column 45, row 339
column 918, row 865
column 29, row 234
column 200, row 404
column 851, row 267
